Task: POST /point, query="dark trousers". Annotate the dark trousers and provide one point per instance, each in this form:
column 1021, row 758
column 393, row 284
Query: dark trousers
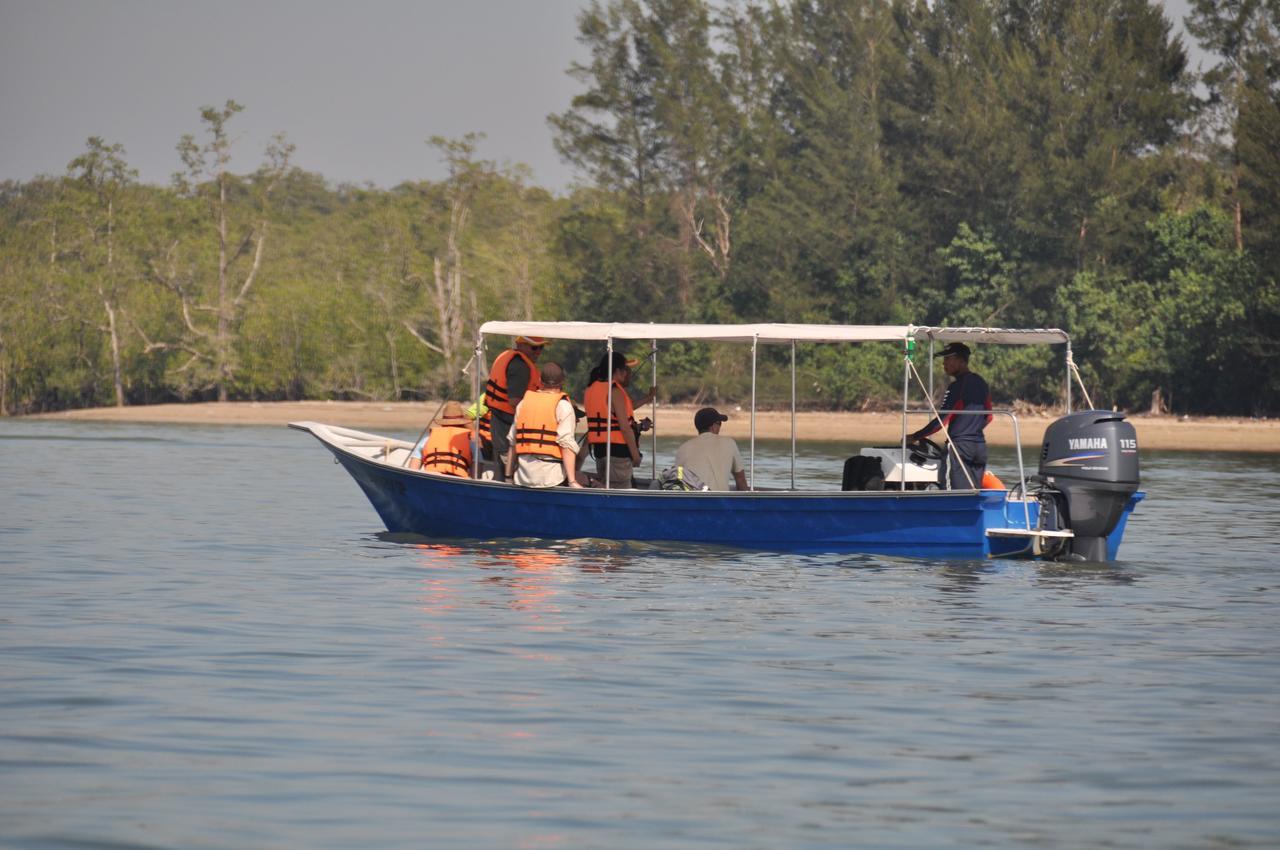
column 973, row 457
column 497, row 448
column 500, row 425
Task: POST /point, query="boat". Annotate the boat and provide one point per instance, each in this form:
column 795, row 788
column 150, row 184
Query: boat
column 1075, row 506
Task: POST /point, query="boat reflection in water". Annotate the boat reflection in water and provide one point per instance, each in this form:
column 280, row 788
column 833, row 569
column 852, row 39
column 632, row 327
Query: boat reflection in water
column 438, row 595
column 531, row 575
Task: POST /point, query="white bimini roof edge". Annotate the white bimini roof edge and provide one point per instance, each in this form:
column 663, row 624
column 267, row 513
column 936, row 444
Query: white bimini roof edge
column 772, row 332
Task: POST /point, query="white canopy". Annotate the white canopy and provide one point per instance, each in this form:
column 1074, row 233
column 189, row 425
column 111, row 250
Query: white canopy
column 770, row 332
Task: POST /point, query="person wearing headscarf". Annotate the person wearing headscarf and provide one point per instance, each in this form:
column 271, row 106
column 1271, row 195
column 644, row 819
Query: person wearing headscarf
column 612, row 434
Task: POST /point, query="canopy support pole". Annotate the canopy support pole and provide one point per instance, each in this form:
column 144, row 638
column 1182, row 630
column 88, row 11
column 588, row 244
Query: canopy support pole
column 931, row 390
column 793, row 414
column 477, row 362
column 1068, row 377
column 755, row 343
column 608, row 415
column 653, row 409
column 906, row 389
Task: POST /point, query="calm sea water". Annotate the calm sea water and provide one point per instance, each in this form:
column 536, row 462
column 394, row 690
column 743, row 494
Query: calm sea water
column 207, row 641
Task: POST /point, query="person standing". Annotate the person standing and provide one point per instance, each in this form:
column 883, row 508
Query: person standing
column 968, row 391
column 514, row 373
column 612, row 434
column 544, row 449
column 710, row 456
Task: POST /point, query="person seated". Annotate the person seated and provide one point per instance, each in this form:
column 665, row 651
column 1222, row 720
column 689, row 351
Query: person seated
column 710, row 456
column 448, row 449
column 543, row 447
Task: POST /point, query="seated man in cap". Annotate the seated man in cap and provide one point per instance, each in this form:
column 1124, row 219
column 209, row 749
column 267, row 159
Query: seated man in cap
column 514, row 372
column 448, row 448
column 711, row 456
column 968, row 391
column 543, row 447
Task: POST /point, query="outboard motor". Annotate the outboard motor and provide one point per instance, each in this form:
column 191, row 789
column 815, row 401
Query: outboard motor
column 1091, row 458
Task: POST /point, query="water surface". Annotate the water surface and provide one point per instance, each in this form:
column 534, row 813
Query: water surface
column 208, row 642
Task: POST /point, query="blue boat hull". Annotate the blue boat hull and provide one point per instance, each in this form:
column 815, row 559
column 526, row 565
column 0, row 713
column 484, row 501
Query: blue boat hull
column 917, row 524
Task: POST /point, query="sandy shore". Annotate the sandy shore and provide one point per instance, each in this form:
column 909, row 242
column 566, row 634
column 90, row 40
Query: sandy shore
column 1200, row 434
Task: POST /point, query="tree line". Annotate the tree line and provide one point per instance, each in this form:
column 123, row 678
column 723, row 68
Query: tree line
column 1021, row 163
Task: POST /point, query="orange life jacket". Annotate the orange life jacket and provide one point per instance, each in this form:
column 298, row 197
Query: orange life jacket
column 602, row 426
column 990, row 482
column 536, row 424
column 448, row 451
column 495, row 391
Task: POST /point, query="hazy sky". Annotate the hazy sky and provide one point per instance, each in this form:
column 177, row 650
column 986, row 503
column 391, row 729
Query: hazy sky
column 358, row 86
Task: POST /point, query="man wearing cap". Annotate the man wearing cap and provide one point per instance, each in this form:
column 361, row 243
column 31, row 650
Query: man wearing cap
column 968, row 391
column 711, row 456
column 448, row 449
column 514, row 372
column 544, row 449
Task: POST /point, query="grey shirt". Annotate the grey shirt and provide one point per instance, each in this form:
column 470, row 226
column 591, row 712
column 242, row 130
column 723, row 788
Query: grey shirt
column 712, row 457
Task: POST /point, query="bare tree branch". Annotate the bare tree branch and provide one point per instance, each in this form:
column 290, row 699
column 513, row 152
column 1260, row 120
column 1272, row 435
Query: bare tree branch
column 420, row 338
column 717, row 253
column 257, row 263
column 240, row 249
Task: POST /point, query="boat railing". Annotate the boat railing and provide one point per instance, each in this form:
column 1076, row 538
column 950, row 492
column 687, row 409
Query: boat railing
column 1017, row 440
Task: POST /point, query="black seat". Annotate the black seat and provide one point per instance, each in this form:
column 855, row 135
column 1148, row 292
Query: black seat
column 862, row 473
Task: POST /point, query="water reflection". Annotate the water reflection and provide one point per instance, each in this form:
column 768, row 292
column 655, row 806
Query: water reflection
column 1076, row 573
column 439, row 596
column 599, row 556
column 614, row 695
column 855, row 561
column 531, row 574
column 533, row 578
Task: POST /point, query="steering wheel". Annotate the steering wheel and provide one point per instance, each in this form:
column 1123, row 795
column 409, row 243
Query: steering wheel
column 923, row 449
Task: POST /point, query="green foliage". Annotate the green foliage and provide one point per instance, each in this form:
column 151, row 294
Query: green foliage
column 1183, row 329
column 1120, row 356
column 964, row 162
column 1202, row 312
column 983, row 282
column 1257, row 129
column 850, row 376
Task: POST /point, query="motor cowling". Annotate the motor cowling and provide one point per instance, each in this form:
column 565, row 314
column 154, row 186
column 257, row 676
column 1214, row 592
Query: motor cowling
column 1091, row 458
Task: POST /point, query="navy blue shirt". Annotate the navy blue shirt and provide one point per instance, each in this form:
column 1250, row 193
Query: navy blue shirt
column 967, row 392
